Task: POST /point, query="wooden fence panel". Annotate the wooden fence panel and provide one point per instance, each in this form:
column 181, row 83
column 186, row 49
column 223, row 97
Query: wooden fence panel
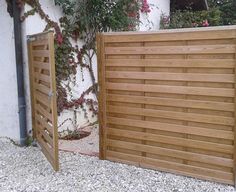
column 167, row 100
column 43, row 94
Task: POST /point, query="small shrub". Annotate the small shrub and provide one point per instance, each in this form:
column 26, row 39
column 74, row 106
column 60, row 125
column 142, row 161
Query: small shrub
column 189, row 18
column 221, row 12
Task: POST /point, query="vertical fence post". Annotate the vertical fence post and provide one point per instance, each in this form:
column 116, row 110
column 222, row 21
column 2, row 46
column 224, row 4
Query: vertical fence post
column 102, row 99
column 31, row 85
column 234, row 153
column 54, row 99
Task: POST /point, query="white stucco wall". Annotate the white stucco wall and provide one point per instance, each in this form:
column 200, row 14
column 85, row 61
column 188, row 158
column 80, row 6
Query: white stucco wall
column 9, row 123
column 34, row 24
column 151, row 21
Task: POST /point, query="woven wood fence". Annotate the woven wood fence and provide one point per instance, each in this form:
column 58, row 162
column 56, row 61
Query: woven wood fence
column 167, row 101
column 43, row 94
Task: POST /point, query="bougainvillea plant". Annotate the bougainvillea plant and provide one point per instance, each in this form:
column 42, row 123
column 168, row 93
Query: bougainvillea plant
column 82, row 20
column 145, row 7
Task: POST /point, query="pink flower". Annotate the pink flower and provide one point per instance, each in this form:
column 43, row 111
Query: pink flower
column 205, row 23
column 194, row 24
column 59, row 38
column 145, row 7
column 71, row 61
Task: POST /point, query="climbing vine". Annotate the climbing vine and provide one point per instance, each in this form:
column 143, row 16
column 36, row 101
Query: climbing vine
column 82, row 20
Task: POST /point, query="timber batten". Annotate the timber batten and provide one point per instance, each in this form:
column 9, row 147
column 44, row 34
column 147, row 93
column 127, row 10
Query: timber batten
column 168, row 100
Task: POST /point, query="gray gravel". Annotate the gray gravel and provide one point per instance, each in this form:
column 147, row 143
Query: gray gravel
column 25, row 169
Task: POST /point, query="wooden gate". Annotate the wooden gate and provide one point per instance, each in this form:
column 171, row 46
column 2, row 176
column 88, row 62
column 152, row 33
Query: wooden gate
column 43, row 94
column 167, row 100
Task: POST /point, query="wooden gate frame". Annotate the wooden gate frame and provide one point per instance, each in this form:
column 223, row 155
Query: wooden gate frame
column 102, row 39
column 44, row 131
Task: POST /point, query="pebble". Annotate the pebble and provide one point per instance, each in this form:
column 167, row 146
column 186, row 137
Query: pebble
column 27, row 170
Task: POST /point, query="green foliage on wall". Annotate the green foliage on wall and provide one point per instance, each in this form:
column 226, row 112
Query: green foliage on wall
column 100, row 15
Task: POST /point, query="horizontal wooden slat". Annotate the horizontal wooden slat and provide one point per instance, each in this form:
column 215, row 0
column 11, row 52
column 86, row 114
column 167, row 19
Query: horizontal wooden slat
column 44, row 144
column 172, row 35
column 219, row 92
column 173, row 63
column 44, row 112
column 40, row 53
column 198, row 104
column 176, row 141
column 45, row 135
column 43, row 122
column 167, row 50
column 48, row 151
column 42, row 77
column 162, row 165
column 43, row 98
column 172, row 128
column 185, row 116
column 41, row 65
column 169, row 100
column 170, row 140
column 40, row 87
column 195, row 77
column 224, row 162
column 41, row 42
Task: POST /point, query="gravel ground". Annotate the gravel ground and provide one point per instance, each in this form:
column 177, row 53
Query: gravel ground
column 25, row 169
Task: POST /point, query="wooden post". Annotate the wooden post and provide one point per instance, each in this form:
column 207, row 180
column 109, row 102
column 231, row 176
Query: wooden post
column 31, row 86
column 102, row 95
column 234, row 153
column 54, row 99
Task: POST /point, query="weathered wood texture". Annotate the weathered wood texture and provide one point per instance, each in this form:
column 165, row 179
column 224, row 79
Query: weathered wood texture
column 43, row 94
column 167, row 101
